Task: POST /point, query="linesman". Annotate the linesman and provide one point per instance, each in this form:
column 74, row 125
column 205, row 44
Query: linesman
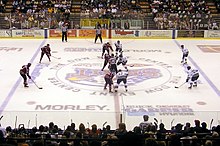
column 64, row 29
column 98, row 34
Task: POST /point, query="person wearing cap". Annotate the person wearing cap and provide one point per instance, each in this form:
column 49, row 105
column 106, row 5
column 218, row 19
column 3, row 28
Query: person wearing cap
column 24, row 72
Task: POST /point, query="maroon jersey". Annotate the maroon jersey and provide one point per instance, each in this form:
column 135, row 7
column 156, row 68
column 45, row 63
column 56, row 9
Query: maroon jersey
column 108, row 76
column 107, row 57
column 46, row 49
column 107, row 46
column 24, row 70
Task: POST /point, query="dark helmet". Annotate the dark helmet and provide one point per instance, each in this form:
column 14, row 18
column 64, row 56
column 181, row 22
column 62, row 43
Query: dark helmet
column 182, row 46
column 29, row 64
column 118, row 41
column 48, row 44
column 188, row 67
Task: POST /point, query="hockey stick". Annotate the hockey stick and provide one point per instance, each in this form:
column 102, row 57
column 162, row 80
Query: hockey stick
column 36, row 120
column 171, row 124
column 16, row 119
column 36, row 84
column 29, row 123
column 56, row 57
column 0, row 120
column 211, row 124
column 180, row 85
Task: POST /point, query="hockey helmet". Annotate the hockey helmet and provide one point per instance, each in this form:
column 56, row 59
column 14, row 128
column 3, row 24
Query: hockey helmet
column 29, row 64
column 188, row 67
column 182, row 46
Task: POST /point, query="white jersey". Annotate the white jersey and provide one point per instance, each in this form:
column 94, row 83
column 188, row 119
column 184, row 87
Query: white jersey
column 185, row 50
column 118, row 45
column 122, row 60
column 122, row 75
column 193, row 73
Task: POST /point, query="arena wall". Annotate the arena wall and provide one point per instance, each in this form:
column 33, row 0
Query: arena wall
column 106, row 33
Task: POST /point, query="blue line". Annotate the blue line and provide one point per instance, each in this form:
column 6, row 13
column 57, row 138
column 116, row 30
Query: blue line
column 202, row 73
column 12, row 91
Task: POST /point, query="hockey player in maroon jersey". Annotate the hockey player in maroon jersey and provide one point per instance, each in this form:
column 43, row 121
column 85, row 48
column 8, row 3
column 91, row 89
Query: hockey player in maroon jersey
column 106, row 57
column 106, row 47
column 45, row 50
column 108, row 81
column 112, row 64
column 24, row 72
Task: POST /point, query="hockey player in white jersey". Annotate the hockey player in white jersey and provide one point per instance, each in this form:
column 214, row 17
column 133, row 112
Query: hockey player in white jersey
column 122, row 60
column 118, row 46
column 192, row 77
column 185, row 52
column 121, row 76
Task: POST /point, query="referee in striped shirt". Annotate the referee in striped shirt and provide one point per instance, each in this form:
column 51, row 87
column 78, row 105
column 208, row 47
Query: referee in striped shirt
column 98, row 34
column 64, row 31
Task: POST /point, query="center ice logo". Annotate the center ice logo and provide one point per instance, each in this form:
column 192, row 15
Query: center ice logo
column 86, row 76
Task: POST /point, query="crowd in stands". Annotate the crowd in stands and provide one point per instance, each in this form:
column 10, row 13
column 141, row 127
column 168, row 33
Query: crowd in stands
column 112, row 9
column 145, row 134
column 2, row 5
column 182, row 15
column 38, row 13
column 178, row 14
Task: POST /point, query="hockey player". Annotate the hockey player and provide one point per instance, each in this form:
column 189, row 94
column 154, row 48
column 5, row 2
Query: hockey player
column 24, row 72
column 185, row 52
column 122, row 60
column 106, row 47
column 108, row 81
column 106, row 61
column 121, row 76
column 118, row 46
column 112, row 64
column 192, row 77
column 45, row 50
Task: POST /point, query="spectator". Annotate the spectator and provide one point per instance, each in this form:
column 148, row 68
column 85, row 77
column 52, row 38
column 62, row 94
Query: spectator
column 121, row 130
column 145, row 125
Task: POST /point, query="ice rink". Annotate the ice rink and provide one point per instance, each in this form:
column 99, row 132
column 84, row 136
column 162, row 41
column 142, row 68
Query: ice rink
column 73, row 85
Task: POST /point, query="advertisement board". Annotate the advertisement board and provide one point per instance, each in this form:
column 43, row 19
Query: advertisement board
column 5, row 33
column 190, row 33
column 212, row 34
column 27, row 33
